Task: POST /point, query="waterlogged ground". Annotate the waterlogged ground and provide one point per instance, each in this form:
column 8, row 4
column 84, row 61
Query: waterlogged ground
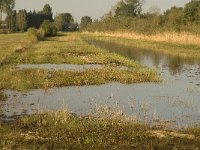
column 171, row 103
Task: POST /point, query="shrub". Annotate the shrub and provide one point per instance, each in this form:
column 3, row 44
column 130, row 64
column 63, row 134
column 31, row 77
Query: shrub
column 47, row 28
column 35, row 35
column 32, row 34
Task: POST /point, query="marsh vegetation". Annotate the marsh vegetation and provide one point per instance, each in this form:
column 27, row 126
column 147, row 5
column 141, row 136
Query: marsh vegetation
column 90, row 49
column 129, row 81
column 61, row 130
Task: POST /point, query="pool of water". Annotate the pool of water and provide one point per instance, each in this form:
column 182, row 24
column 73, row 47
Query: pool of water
column 175, row 100
column 51, row 67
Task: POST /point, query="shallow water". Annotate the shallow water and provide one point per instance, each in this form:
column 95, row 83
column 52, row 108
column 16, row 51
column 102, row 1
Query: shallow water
column 50, row 67
column 176, row 99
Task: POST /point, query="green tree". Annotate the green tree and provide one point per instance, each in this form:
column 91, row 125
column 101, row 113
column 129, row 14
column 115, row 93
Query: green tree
column 21, row 21
column 11, row 15
column 174, row 16
column 85, row 21
column 131, row 8
column 192, row 11
column 48, row 28
column 47, row 12
column 11, row 21
column 63, row 21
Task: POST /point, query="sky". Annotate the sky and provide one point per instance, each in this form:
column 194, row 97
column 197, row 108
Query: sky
column 93, row 8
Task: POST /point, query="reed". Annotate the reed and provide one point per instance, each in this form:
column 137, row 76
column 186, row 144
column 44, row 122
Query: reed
column 171, row 37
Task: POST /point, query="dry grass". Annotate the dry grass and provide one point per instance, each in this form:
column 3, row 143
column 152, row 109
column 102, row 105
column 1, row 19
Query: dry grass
column 164, row 134
column 171, row 37
column 173, row 47
column 11, row 43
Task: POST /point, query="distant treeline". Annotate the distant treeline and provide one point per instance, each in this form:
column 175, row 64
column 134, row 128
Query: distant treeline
column 20, row 21
column 127, row 16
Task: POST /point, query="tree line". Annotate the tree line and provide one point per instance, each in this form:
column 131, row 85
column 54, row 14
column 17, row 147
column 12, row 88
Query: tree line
column 22, row 20
column 128, row 15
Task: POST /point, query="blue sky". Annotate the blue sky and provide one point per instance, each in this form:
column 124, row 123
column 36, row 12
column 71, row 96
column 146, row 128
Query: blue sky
column 93, row 8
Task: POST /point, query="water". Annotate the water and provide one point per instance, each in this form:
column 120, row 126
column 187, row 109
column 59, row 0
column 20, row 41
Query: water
column 176, row 100
column 52, row 67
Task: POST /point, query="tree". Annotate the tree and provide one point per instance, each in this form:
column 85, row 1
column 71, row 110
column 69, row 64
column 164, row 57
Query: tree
column 48, row 28
column 2, row 8
column 35, row 19
column 192, row 11
column 47, row 10
column 131, row 8
column 21, row 20
column 11, row 21
column 6, row 6
column 63, row 21
column 11, row 15
column 47, row 13
column 174, row 16
column 85, row 21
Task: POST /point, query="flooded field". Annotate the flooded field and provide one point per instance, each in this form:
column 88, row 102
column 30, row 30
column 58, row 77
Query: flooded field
column 175, row 102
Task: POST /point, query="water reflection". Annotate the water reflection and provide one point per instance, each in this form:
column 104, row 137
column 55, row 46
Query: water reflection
column 150, row 58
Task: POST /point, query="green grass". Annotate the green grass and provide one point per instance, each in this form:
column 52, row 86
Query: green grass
column 176, row 49
column 61, row 130
column 68, row 49
column 9, row 43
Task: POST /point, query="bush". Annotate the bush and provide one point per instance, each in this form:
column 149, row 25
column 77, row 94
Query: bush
column 32, row 34
column 35, row 35
column 47, row 28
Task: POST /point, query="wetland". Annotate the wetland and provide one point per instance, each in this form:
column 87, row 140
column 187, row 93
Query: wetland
column 88, row 76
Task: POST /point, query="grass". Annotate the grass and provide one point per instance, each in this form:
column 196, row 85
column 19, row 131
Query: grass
column 38, row 78
column 68, row 49
column 170, row 37
column 2, row 96
column 61, row 130
column 11, row 43
column 173, row 44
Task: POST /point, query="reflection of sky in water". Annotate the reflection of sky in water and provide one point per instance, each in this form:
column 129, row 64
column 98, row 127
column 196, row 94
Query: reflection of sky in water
column 177, row 98
column 53, row 67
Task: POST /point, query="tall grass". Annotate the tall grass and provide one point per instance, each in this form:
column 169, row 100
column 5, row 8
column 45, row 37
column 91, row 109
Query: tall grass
column 61, row 130
column 171, row 37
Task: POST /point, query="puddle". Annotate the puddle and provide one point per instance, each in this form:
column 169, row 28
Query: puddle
column 175, row 100
column 67, row 67
column 168, row 104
